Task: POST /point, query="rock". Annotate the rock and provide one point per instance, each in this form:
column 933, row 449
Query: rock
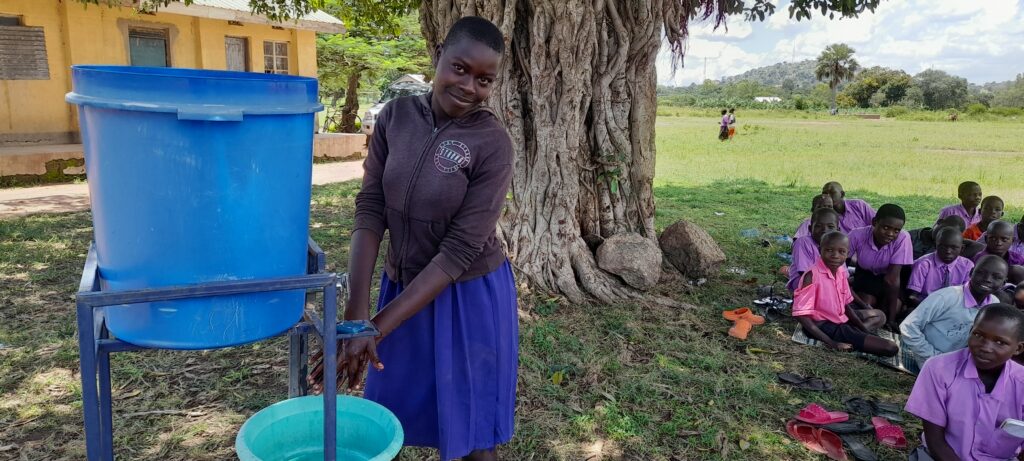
column 635, row 259
column 691, row 249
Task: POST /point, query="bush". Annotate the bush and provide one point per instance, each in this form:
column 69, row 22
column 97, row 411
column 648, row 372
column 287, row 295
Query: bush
column 1007, row 111
column 896, row 112
column 976, row 109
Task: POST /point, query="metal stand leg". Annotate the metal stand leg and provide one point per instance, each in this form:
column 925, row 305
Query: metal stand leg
column 106, row 418
column 298, row 368
column 90, row 398
column 330, row 338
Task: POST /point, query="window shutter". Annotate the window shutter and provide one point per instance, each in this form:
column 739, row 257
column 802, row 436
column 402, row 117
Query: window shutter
column 23, row 53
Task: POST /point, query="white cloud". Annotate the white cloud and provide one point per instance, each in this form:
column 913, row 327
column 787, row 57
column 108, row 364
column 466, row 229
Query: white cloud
column 980, row 40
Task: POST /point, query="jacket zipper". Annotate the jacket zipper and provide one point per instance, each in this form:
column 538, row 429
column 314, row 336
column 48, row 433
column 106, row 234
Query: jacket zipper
column 408, row 193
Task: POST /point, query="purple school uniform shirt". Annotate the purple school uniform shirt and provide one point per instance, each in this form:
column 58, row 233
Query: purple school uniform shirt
column 930, row 273
column 858, row 214
column 805, row 253
column 1015, row 258
column 948, row 393
column 803, row 230
column 877, row 260
column 959, row 210
column 725, row 120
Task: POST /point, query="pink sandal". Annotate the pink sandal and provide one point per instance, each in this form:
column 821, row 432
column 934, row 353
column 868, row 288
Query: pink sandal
column 889, row 434
column 815, row 414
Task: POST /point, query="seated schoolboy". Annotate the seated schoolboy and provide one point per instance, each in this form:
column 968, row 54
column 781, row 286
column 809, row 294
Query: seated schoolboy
column 819, row 201
column 824, row 304
column 941, row 323
column 991, row 210
column 881, row 250
column 945, row 267
column 998, row 239
column 1018, row 233
column 923, row 238
column 964, row 396
column 969, row 193
column 805, row 249
column 853, row 213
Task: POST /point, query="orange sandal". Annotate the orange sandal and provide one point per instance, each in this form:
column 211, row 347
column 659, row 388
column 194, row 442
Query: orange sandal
column 743, row 313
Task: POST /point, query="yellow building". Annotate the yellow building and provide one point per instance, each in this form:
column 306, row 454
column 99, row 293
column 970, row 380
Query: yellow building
column 41, row 39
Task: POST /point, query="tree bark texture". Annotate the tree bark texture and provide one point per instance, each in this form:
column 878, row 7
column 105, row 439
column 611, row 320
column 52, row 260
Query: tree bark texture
column 351, row 108
column 577, row 92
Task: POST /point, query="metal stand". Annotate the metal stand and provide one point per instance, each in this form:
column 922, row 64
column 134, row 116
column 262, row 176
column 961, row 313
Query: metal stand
column 95, row 344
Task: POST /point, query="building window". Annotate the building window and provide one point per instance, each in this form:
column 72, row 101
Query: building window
column 275, row 57
column 148, row 47
column 236, row 53
column 22, row 51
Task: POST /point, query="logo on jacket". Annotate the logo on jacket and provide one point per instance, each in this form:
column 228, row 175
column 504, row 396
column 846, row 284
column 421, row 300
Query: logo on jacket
column 450, row 156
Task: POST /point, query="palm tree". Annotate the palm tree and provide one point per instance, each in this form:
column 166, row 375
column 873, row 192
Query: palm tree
column 836, row 64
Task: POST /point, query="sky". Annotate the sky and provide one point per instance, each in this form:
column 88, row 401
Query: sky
column 980, row 40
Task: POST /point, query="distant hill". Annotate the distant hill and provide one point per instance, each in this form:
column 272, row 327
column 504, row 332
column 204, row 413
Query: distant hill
column 801, row 74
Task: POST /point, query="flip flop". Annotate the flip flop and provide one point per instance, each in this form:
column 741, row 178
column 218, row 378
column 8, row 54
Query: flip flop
column 859, row 451
column 810, row 383
column 816, row 414
column 805, row 434
column 871, row 407
column 832, row 444
column 889, row 434
column 850, row 427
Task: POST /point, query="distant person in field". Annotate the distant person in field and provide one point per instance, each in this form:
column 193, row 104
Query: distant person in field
column 991, row 210
column 969, row 193
column 940, row 269
column 827, row 309
column 853, row 213
column 723, row 128
column 819, row 201
column 880, row 251
column 732, row 122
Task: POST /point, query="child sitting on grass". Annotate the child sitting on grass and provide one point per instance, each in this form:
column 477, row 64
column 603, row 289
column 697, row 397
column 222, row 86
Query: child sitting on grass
column 991, row 210
column 941, row 323
column 923, row 238
column 853, row 213
column 998, row 241
column 823, row 304
column 819, row 201
column 969, row 193
column 963, row 397
column 881, row 250
column 943, row 268
column 806, row 249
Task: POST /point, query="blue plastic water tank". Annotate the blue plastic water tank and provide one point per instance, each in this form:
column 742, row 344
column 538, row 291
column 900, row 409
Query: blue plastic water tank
column 196, row 176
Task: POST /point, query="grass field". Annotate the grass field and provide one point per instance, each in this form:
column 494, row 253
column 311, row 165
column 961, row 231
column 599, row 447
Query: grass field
column 641, row 382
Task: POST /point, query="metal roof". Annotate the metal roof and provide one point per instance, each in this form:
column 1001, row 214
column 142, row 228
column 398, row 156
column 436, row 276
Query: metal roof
column 239, row 10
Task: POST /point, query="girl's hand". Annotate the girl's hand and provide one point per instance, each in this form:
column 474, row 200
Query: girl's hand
column 352, row 360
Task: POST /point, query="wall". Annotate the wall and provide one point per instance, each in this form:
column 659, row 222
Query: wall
column 34, row 111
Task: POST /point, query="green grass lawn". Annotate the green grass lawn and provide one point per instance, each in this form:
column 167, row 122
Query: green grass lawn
column 641, row 381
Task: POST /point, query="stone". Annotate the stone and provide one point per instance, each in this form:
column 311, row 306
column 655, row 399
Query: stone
column 691, row 250
column 634, row 258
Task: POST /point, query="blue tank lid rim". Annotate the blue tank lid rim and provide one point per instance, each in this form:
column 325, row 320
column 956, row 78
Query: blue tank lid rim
column 187, row 72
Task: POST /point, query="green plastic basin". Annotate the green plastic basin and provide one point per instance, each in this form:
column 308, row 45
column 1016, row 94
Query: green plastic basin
column 293, row 430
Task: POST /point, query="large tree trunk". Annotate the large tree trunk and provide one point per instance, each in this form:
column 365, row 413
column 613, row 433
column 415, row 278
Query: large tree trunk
column 351, row 107
column 577, row 93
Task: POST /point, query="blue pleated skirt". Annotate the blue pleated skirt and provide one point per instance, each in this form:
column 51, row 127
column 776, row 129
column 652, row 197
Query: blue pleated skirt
column 450, row 370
